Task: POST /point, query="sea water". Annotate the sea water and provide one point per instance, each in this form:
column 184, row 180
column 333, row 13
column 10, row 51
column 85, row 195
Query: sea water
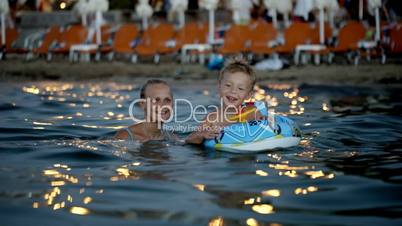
column 58, row 165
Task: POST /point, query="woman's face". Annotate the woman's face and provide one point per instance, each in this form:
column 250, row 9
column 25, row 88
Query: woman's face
column 160, row 106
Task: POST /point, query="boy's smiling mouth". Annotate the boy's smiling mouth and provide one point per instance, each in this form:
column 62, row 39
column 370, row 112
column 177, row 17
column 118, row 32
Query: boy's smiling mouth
column 165, row 112
column 231, row 99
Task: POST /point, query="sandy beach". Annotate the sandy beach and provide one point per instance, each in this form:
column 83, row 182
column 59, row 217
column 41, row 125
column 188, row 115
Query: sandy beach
column 20, row 70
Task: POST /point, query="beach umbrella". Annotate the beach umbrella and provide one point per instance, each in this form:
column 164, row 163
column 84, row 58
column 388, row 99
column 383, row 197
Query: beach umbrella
column 320, row 5
column 211, row 6
column 82, row 8
column 282, row 6
column 4, row 9
column 241, row 10
column 180, row 6
column 332, row 7
column 374, row 9
column 285, row 7
column 271, row 6
column 303, row 7
column 144, row 10
column 98, row 7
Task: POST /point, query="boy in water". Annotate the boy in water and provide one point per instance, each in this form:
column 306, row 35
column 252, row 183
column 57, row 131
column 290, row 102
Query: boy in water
column 235, row 85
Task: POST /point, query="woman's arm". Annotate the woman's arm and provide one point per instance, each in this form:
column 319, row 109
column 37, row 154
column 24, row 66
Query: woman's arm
column 195, row 138
column 121, row 135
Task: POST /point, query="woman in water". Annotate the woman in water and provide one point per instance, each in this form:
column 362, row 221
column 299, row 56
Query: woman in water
column 157, row 104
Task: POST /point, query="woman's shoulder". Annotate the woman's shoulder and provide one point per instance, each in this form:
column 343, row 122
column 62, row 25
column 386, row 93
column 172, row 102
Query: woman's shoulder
column 121, row 134
column 133, row 127
column 126, row 133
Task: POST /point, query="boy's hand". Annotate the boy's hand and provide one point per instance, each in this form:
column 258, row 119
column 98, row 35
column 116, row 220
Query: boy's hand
column 209, row 131
column 259, row 116
column 204, row 132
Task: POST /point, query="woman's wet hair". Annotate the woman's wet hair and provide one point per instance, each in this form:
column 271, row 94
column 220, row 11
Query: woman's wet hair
column 239, row 65
column 151, row 82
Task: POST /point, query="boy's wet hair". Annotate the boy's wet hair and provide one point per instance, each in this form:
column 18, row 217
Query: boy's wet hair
column 151, row 82
column 239, row 65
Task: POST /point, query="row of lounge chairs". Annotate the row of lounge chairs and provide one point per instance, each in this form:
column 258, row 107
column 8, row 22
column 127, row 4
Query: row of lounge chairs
column 259, row 38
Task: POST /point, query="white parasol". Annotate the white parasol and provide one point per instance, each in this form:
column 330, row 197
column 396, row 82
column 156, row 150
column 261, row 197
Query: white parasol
column 211, row 6
column 374, row 9
column 241, row 10
column 82, row 8
column 285, row 7
column 332, row 8
column 98, row 7
column 321, row 5
column 282, row 6
column 144, row 10
column 303, row 7
column 180, row 6
column 4, row 9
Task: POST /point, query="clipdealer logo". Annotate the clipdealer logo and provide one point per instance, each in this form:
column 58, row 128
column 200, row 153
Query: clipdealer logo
column 163, row 114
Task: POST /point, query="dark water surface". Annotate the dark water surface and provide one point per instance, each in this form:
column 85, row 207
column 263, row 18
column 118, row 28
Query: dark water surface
column 57, row 166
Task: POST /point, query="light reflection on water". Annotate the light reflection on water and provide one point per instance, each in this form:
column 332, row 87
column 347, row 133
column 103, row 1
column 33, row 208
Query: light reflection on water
column 57, row 159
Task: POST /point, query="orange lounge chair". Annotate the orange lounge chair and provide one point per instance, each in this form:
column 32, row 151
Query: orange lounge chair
column 348, row 39
column 315, row 33
column 105, row 34
column 202, row 35
column 297, row 34
column 191, row 33
column 21, row 43
column 395, row 47
column 187, row 35
column 52, row 36
column 123, row 40
column 236, row 40
column 73, row 35
column 11, row 37
column 154, row 41
column 104, row 46
column 261, row 34
column 396, row 39
column 315, row 40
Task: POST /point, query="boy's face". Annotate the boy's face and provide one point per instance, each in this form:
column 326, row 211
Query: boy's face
column 161, row 102
column 235, row 88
